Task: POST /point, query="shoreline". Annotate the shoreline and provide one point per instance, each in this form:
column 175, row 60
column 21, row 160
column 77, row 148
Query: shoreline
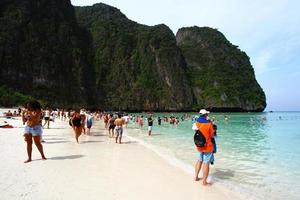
column 215, row 110
column 97, row 168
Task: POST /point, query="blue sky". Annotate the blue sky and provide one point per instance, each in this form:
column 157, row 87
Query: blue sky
column 268, row 31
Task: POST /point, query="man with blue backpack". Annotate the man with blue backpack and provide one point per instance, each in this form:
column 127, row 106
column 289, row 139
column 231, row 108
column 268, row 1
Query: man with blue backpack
column 204, row 133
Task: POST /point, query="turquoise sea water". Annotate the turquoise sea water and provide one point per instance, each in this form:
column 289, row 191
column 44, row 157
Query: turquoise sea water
column 258, row 153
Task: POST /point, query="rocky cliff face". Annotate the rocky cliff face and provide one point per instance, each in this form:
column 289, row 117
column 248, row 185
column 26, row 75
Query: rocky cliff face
column 221, row 75
column 100, row 58
column 43, row 52
column 138, row 67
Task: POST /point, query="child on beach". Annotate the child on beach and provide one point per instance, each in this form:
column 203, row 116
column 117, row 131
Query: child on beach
column 33, row 129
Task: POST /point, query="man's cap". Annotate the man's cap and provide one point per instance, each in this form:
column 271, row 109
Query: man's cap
column 203, row 112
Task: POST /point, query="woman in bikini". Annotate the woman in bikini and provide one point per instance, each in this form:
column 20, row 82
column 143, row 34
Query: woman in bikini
column 33, row 129
column 77, row 124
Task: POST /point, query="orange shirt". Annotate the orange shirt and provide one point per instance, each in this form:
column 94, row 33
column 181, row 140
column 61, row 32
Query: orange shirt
column 208, row 132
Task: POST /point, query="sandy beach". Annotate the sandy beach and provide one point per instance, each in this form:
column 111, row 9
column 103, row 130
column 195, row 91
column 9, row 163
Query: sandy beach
column 97, row 168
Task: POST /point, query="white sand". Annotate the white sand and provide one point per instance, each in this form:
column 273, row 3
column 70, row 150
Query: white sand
column 95, row 169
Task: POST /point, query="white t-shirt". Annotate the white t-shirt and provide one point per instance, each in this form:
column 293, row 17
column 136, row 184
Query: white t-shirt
column 126, row 118
column 47, row 113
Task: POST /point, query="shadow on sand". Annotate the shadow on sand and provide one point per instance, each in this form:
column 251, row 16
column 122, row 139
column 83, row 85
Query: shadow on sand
column 55, row 142
column 71, row 157
column 51, row 138
column 98, row 135
column 54, row 128
column 91, row 141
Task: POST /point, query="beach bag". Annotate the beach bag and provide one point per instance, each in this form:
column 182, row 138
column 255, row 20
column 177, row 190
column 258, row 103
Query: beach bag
column 199, row 139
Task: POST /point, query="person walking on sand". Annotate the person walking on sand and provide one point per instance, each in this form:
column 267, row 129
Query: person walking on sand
column 33, row 129
column 206, row 151
column 76, row 122
column 112, row 126
column 119, row 122
column 47, row 117
column 83, row 120
column 105, row 119
column 89, row 122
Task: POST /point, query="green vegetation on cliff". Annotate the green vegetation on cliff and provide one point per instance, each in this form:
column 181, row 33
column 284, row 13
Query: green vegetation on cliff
column 10, row 98
column 138, row 67
column 94, row 56
column 41, row 53
column 221, row 75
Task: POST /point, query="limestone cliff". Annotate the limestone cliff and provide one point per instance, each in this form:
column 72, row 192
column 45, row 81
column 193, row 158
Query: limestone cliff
column 43, row 51
column 94, row 56
column 138, row 67
column 221, row 74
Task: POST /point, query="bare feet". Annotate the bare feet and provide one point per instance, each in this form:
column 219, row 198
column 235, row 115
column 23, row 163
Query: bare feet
column 27, row 161
column 44, row 158
column 204, row 183
column 197, row 179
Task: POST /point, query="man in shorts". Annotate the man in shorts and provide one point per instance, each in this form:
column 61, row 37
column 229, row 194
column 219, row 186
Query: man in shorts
column 150, row 124
column 119, row 122
column 205, row 156
column 112, row 126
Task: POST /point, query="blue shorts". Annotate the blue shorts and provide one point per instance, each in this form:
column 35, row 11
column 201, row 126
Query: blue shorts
column 89, row 124
column 206, row 158
column 34, row 131
column 119, row 131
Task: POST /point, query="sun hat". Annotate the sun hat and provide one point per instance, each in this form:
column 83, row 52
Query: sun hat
column 203, row 112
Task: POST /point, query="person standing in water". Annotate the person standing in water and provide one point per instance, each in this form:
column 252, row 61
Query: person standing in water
column 141, row 121
column 33, row 129
column 205, row 152
column 119, row 122
column 159, row 121
column 150, row 124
